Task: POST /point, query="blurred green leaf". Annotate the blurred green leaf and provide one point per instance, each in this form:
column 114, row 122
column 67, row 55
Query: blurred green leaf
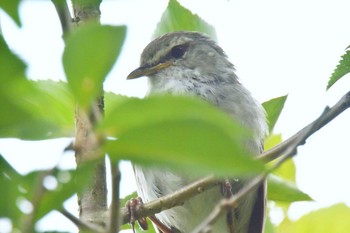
column 273, row 109
column 286, row 171
column 32, row 110
column 53, row 102
column 89, row 55
column 181, row 132
column 334, row 219
column 128, row 113
column 269, row 227
column 74, row 181
column 11, row 67
column 284, row 191
column 36, row 110
column 138, row 229
column 342, row 69
column 178, row 18
column 11, row 7
column 11, row 192
column 272, row 140
column 113, row 100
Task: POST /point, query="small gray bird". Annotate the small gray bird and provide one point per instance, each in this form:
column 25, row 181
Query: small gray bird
column 190, row 63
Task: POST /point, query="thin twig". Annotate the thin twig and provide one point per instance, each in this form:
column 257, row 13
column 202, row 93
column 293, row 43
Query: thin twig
column 79, row 223
column 174, row 199
column 327, row 116
column 114, row 220
column 64, row 15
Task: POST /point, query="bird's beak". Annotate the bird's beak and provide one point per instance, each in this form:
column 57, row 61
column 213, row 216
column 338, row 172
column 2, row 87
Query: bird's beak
column 148, row 70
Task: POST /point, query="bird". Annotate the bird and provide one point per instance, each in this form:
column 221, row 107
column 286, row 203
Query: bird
column 191, row 63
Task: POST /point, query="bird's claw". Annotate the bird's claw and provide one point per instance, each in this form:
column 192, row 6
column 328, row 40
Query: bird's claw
column 133, row 206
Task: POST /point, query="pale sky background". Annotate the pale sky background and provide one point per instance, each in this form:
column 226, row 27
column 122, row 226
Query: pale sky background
column 279, row 47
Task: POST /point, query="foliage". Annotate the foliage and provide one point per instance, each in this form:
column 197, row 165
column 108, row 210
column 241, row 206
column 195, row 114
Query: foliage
column 39, row 110
column 89, row 55
column 178, row 18
column 341, row 70
column 274, row 108
column 333, row 219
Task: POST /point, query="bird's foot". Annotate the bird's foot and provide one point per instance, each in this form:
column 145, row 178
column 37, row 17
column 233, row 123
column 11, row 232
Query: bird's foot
column 133, row 205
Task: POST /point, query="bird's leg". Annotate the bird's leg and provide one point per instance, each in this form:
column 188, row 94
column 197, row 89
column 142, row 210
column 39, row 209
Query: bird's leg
column 133, row 205
column 227, row 193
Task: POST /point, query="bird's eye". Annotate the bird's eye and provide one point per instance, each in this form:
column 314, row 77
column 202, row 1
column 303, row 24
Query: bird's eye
column 178, row 51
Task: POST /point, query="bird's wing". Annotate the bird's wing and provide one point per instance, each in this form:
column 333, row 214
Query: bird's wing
column 257, row 219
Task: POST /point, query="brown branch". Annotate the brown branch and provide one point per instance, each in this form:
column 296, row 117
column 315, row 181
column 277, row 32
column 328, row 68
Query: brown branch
column 282, row 151
column 327, row 116
column 80, row 224
column 92, row 201
column 174, row 199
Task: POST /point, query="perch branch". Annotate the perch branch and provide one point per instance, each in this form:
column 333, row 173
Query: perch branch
column 327, row 116
column 174, row 199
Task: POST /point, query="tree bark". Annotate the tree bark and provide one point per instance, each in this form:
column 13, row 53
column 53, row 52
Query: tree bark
column 93, row 201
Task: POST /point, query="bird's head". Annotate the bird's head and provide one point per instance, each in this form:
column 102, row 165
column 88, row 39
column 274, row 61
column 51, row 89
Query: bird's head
column 183, row 51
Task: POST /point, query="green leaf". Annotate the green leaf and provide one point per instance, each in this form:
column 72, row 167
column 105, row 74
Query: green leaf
column 273, row 110
column 334, row 219
column 342, row 69
column 8, row 182
column 89, row 55
column 54, row 102
column 128, row 113
column 272, row 140
column 138, row 229
column 36, row 110
column 73, row 181
column 284, row 191
column 180, row 132
column 11, row 7
column 32, row 110
column 286, row 171
column 11, row 67
column 113, row 100
column 178, row 18
column 269, row 227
